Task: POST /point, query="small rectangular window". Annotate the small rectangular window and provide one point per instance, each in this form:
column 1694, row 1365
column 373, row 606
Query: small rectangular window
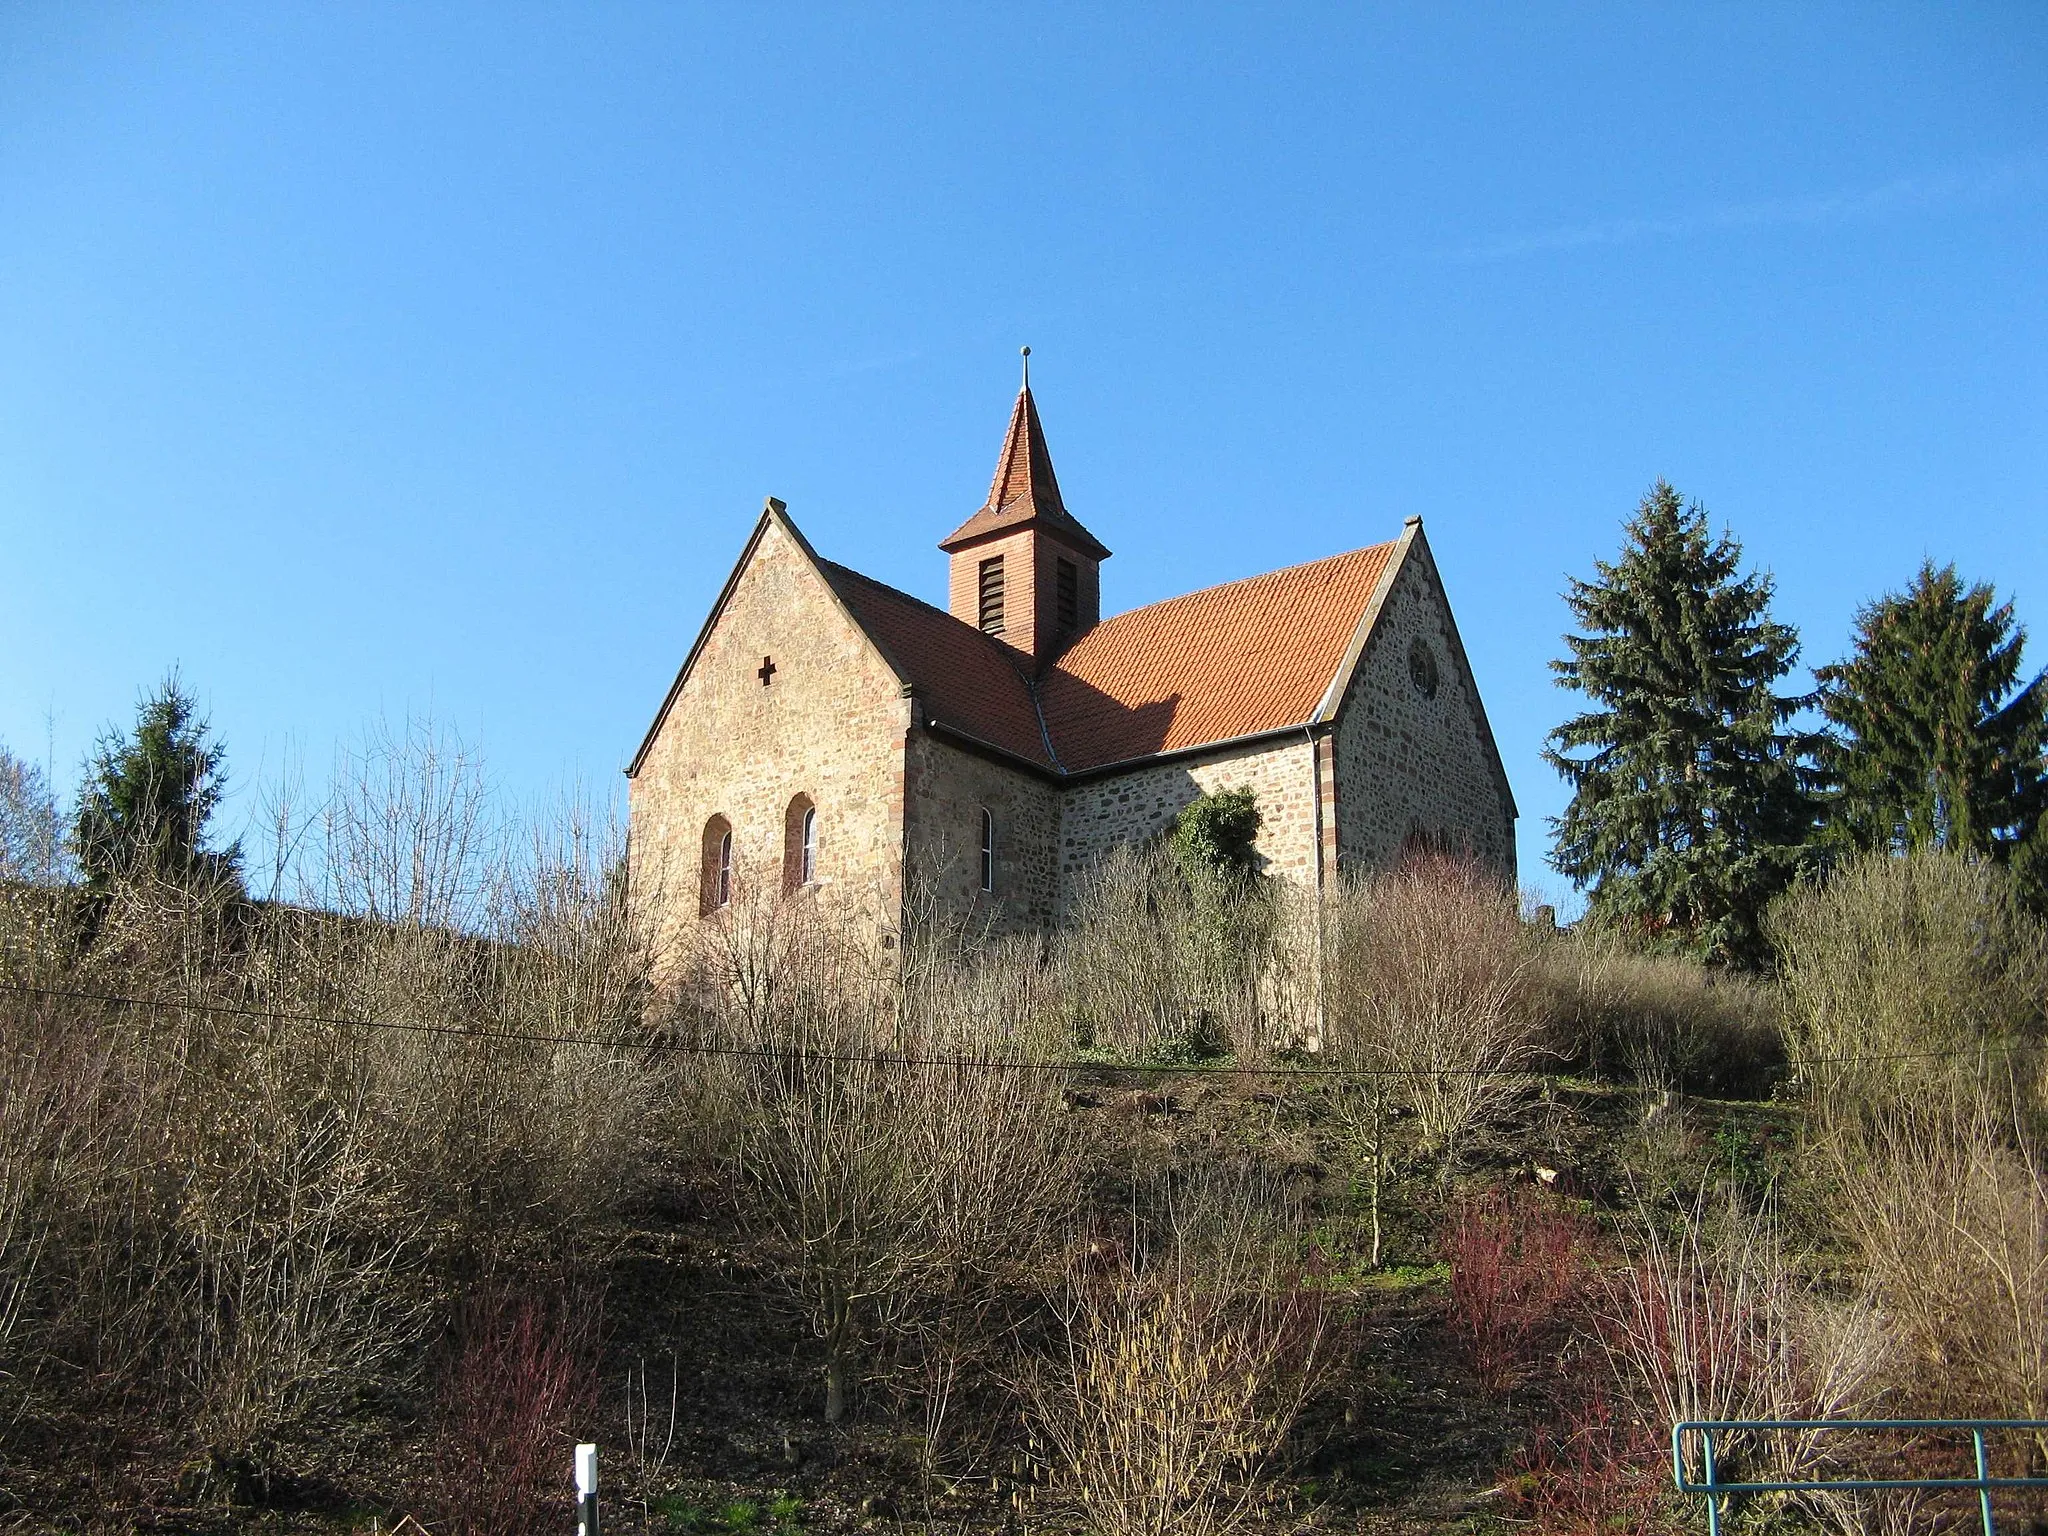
column 1067, row 596
column 992, row 595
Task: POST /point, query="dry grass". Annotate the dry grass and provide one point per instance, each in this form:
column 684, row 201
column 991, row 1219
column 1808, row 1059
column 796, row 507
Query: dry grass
column 1664, row 1022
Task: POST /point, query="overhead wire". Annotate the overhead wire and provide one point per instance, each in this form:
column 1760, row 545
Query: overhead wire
column 656, row 1042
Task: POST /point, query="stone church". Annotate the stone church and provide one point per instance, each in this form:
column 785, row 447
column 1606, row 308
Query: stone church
column 831, row 735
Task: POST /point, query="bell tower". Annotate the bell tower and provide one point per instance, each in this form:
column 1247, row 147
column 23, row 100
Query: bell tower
column 1023, row 568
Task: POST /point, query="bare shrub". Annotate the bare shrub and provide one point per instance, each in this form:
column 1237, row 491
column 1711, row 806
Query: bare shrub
column 1669, row 1023
column 478, row 928
column 1948, row 1208
column 1593, row 1467
column 892, row 1183
column 1713, row 1320
column 893, row 1157
column 1161, row 967
column 299, row 1268
column 51, row 1075
column 1518, row 1261
column 232, row 1210
column 1187, row 1357
column 1902, row 972
column 1426, row 971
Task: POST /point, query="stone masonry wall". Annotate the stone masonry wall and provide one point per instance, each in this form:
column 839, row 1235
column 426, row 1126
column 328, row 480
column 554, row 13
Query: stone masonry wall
column 1099, row 814
column 946, row 788
column 830, row 724
column 1407, row 764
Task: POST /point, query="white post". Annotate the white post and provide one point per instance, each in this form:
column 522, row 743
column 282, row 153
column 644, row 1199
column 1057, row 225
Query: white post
column 586, row 1490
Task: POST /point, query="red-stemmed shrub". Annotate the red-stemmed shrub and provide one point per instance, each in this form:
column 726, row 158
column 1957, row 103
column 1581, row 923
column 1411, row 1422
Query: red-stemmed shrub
column 1592, row 1468
column 521, row 1388
column 1517, row 1260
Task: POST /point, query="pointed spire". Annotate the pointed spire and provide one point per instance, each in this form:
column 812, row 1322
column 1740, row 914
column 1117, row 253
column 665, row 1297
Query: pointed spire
column 1024, row 467
column 1025, row 489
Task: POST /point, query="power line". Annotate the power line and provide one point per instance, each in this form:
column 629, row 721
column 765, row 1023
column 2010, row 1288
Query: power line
column 983, row 1063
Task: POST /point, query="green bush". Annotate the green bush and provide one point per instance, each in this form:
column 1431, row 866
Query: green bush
column 1215, row 836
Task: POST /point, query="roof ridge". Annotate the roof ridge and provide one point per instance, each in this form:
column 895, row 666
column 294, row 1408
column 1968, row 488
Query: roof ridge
column 1024, row 462
column 1242, row 581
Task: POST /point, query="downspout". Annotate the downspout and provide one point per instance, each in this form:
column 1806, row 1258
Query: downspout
column 1315, row 780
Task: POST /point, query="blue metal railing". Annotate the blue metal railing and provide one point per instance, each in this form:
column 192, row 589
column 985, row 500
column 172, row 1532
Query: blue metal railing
column 1716, row 1490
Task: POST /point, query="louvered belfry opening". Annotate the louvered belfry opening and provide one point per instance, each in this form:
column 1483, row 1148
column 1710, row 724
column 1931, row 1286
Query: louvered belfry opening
column 992, row 596
column 1023, row 568
column 1066, row 597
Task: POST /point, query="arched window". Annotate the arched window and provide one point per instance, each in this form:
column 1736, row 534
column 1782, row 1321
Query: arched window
column 714, row 886
column 988, row 850
column 800, row 844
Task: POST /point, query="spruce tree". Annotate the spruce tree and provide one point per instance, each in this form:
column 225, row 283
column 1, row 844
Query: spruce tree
column 1691, row 795
column 1935, row 741
column 147, row 799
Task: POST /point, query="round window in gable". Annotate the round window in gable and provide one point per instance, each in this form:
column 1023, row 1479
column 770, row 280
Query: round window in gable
column 1422, row 668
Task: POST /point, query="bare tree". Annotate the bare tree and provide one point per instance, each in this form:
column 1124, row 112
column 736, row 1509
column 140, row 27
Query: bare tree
column 1426, row 972
column 31, row 827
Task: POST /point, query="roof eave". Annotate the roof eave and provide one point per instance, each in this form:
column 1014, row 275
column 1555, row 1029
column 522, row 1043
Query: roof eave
column 1479, row 719
column 984, row 745
column 768, row 512
column 1221, row 744
column 1068, row 531
column 1368, row 621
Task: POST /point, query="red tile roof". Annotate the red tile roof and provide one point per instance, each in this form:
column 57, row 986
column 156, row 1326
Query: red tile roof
column 1235, row 660
column 966, row 680
column 1025, row 490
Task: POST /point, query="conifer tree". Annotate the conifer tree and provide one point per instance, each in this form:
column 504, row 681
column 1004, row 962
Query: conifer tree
column 1935, row 741
column 1691, row 796
column 147, row 799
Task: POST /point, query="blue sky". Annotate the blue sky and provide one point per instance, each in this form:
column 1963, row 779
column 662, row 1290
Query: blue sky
column 361, row 360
